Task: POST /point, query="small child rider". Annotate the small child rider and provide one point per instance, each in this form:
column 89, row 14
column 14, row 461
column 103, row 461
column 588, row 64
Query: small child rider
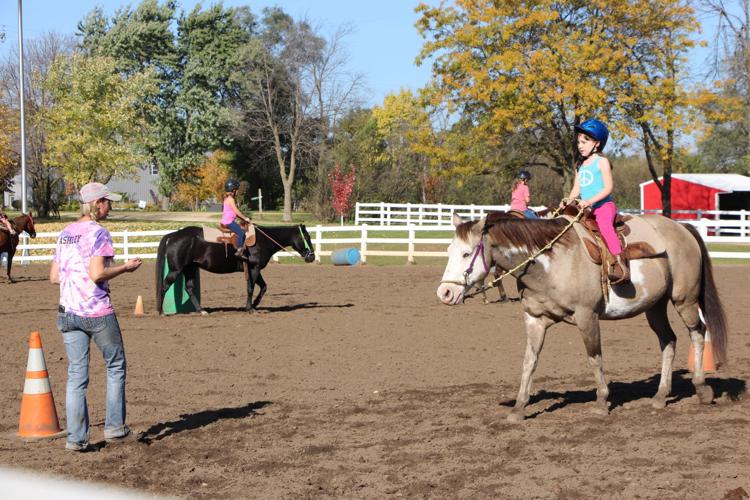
column 231, row 212
column 4, row 220
column 521, row 196
column 594, row 184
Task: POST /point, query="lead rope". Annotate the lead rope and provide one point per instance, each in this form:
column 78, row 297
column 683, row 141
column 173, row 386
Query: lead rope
column 546, row 247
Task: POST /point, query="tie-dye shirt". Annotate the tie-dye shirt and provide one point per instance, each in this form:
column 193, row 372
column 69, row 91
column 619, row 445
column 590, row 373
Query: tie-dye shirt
column 77, row 243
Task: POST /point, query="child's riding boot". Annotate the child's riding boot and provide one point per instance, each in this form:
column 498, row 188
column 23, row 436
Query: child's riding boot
column 240, row 253
column 619, row 272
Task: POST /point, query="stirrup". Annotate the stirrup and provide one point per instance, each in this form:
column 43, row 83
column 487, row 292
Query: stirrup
column 618, row 278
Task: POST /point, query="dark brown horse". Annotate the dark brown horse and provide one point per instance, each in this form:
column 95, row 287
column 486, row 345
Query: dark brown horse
column 8, row 242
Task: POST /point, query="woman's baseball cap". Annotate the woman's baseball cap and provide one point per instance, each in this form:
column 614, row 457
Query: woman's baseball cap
column 96, row 191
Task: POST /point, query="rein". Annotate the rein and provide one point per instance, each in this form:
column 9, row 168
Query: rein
column 282, row 247
column 546, row 247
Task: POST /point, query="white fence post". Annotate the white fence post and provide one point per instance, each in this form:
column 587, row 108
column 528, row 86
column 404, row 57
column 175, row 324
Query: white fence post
column 412, row 237
column 743, row 221
column 125, row 245
column 318, row 242
column 408, row 214
column 356, row 214
column 382, row 213
column 363, row 244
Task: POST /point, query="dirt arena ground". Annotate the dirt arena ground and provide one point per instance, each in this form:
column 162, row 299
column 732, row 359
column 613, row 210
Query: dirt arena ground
column 355, row 382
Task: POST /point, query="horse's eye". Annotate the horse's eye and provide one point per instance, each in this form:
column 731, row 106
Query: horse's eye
column 467, row 255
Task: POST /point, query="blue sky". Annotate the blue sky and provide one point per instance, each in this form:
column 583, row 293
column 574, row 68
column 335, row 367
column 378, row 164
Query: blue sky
column 382, row 47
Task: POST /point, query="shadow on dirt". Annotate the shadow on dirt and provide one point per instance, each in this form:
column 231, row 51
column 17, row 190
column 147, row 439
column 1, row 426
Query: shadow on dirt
column 621, row 393
column 190, row 421
column 289, row 308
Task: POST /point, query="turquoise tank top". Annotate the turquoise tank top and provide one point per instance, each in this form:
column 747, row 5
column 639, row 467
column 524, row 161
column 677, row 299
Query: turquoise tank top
column 591, row 181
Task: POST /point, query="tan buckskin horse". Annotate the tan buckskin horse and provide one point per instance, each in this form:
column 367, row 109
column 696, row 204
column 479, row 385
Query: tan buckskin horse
column 8, row 243
column 562, row 284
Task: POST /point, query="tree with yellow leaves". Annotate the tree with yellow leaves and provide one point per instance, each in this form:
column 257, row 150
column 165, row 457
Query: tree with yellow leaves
column 8, row 154
column 209, row 180
column 529, row 71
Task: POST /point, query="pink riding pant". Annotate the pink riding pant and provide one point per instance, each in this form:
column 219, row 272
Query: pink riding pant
column 605, row 219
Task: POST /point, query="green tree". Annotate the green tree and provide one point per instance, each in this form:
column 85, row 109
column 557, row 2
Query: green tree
column 94, row 128
column 193, row 65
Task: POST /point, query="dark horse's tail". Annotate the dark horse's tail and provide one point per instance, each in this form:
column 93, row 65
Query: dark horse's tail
column 710, row 303
column 161, row 256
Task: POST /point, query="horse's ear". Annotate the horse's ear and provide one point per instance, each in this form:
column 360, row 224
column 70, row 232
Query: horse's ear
column 457, row 220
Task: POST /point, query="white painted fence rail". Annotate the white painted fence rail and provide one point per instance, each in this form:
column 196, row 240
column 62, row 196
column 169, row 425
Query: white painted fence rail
column 411, row 241
column 406, row 214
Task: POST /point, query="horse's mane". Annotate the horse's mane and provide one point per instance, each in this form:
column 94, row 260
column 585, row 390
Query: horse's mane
column 463, row 229
column 532, row 233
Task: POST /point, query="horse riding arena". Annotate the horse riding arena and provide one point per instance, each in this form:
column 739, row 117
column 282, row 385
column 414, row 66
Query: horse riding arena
column 355, row 382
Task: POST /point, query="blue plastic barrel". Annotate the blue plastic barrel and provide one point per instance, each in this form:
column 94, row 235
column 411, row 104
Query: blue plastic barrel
column 345, row 257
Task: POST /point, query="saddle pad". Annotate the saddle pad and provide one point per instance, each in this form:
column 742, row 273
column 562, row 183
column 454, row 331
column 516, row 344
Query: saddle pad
column 213, row 234
column 642, row 237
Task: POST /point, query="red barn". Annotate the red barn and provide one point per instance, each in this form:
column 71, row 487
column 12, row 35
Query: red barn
column 700, row 192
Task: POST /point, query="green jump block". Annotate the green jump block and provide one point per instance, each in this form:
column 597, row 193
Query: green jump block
column 177, row 300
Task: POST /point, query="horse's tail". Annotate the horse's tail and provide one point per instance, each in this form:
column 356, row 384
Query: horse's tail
column 710, row 302
column 161, row 256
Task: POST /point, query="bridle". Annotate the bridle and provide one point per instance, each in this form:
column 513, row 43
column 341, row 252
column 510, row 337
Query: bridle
column 479, row 250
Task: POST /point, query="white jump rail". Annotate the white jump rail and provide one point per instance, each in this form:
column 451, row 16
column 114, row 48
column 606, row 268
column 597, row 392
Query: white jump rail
column 412, row 241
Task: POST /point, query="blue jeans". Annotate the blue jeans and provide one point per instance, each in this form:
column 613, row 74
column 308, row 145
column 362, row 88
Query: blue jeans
column 77, row 333
column 234, row 226
column 530, row 214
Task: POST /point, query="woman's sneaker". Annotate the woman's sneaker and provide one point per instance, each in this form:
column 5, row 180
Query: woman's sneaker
column 77, row 446
column 126, row 435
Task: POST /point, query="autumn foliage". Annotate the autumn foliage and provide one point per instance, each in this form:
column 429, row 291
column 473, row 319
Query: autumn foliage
column 342, row 187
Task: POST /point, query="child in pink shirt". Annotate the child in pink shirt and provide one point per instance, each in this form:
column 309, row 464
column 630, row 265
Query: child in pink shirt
column 520, row 197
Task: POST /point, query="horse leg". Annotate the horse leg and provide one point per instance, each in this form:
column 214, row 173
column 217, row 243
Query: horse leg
column 500, row 288
column 536, row 327
column 252, row 276
column 11, row 253
column 690, row 316
column 659, row 323
column 190, row 287
column 588, row 324
column 263, row 287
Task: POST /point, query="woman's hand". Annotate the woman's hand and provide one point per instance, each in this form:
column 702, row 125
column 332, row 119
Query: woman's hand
column 584, row 204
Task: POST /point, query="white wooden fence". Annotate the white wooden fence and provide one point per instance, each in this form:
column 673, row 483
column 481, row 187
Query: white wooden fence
column 406, row 214
column 413, row 241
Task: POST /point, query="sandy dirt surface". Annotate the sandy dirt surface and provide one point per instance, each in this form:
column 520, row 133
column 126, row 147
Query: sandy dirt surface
column 355, row 382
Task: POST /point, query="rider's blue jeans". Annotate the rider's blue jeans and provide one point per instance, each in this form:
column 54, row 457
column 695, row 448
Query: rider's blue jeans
column 77, row 332
column 234, row 226
column 530, row 214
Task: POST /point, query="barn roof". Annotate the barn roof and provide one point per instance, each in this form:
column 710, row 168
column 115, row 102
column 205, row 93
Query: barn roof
column 723, row 182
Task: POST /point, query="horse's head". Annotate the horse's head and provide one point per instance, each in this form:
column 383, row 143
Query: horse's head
column 469, row 261
column 303, row 244
column 25, row 222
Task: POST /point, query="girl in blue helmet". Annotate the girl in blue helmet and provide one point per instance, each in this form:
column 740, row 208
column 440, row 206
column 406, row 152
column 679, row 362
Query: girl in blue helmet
column 594, row 184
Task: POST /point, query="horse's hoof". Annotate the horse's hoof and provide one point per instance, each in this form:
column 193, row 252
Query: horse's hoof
column 705, row 394
column 204, row 313
column 515, row 417
column 600, row 410
column 658, row 403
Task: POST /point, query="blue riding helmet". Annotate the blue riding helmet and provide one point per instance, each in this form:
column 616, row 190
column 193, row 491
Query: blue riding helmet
column 596, row 130
column 525, row 175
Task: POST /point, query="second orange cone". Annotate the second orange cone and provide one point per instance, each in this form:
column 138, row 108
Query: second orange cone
column 38, row 414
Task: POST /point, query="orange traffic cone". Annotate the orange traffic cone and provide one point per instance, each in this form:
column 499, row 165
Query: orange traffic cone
column 709, row 365
column 38, row 415
column 138, row 306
